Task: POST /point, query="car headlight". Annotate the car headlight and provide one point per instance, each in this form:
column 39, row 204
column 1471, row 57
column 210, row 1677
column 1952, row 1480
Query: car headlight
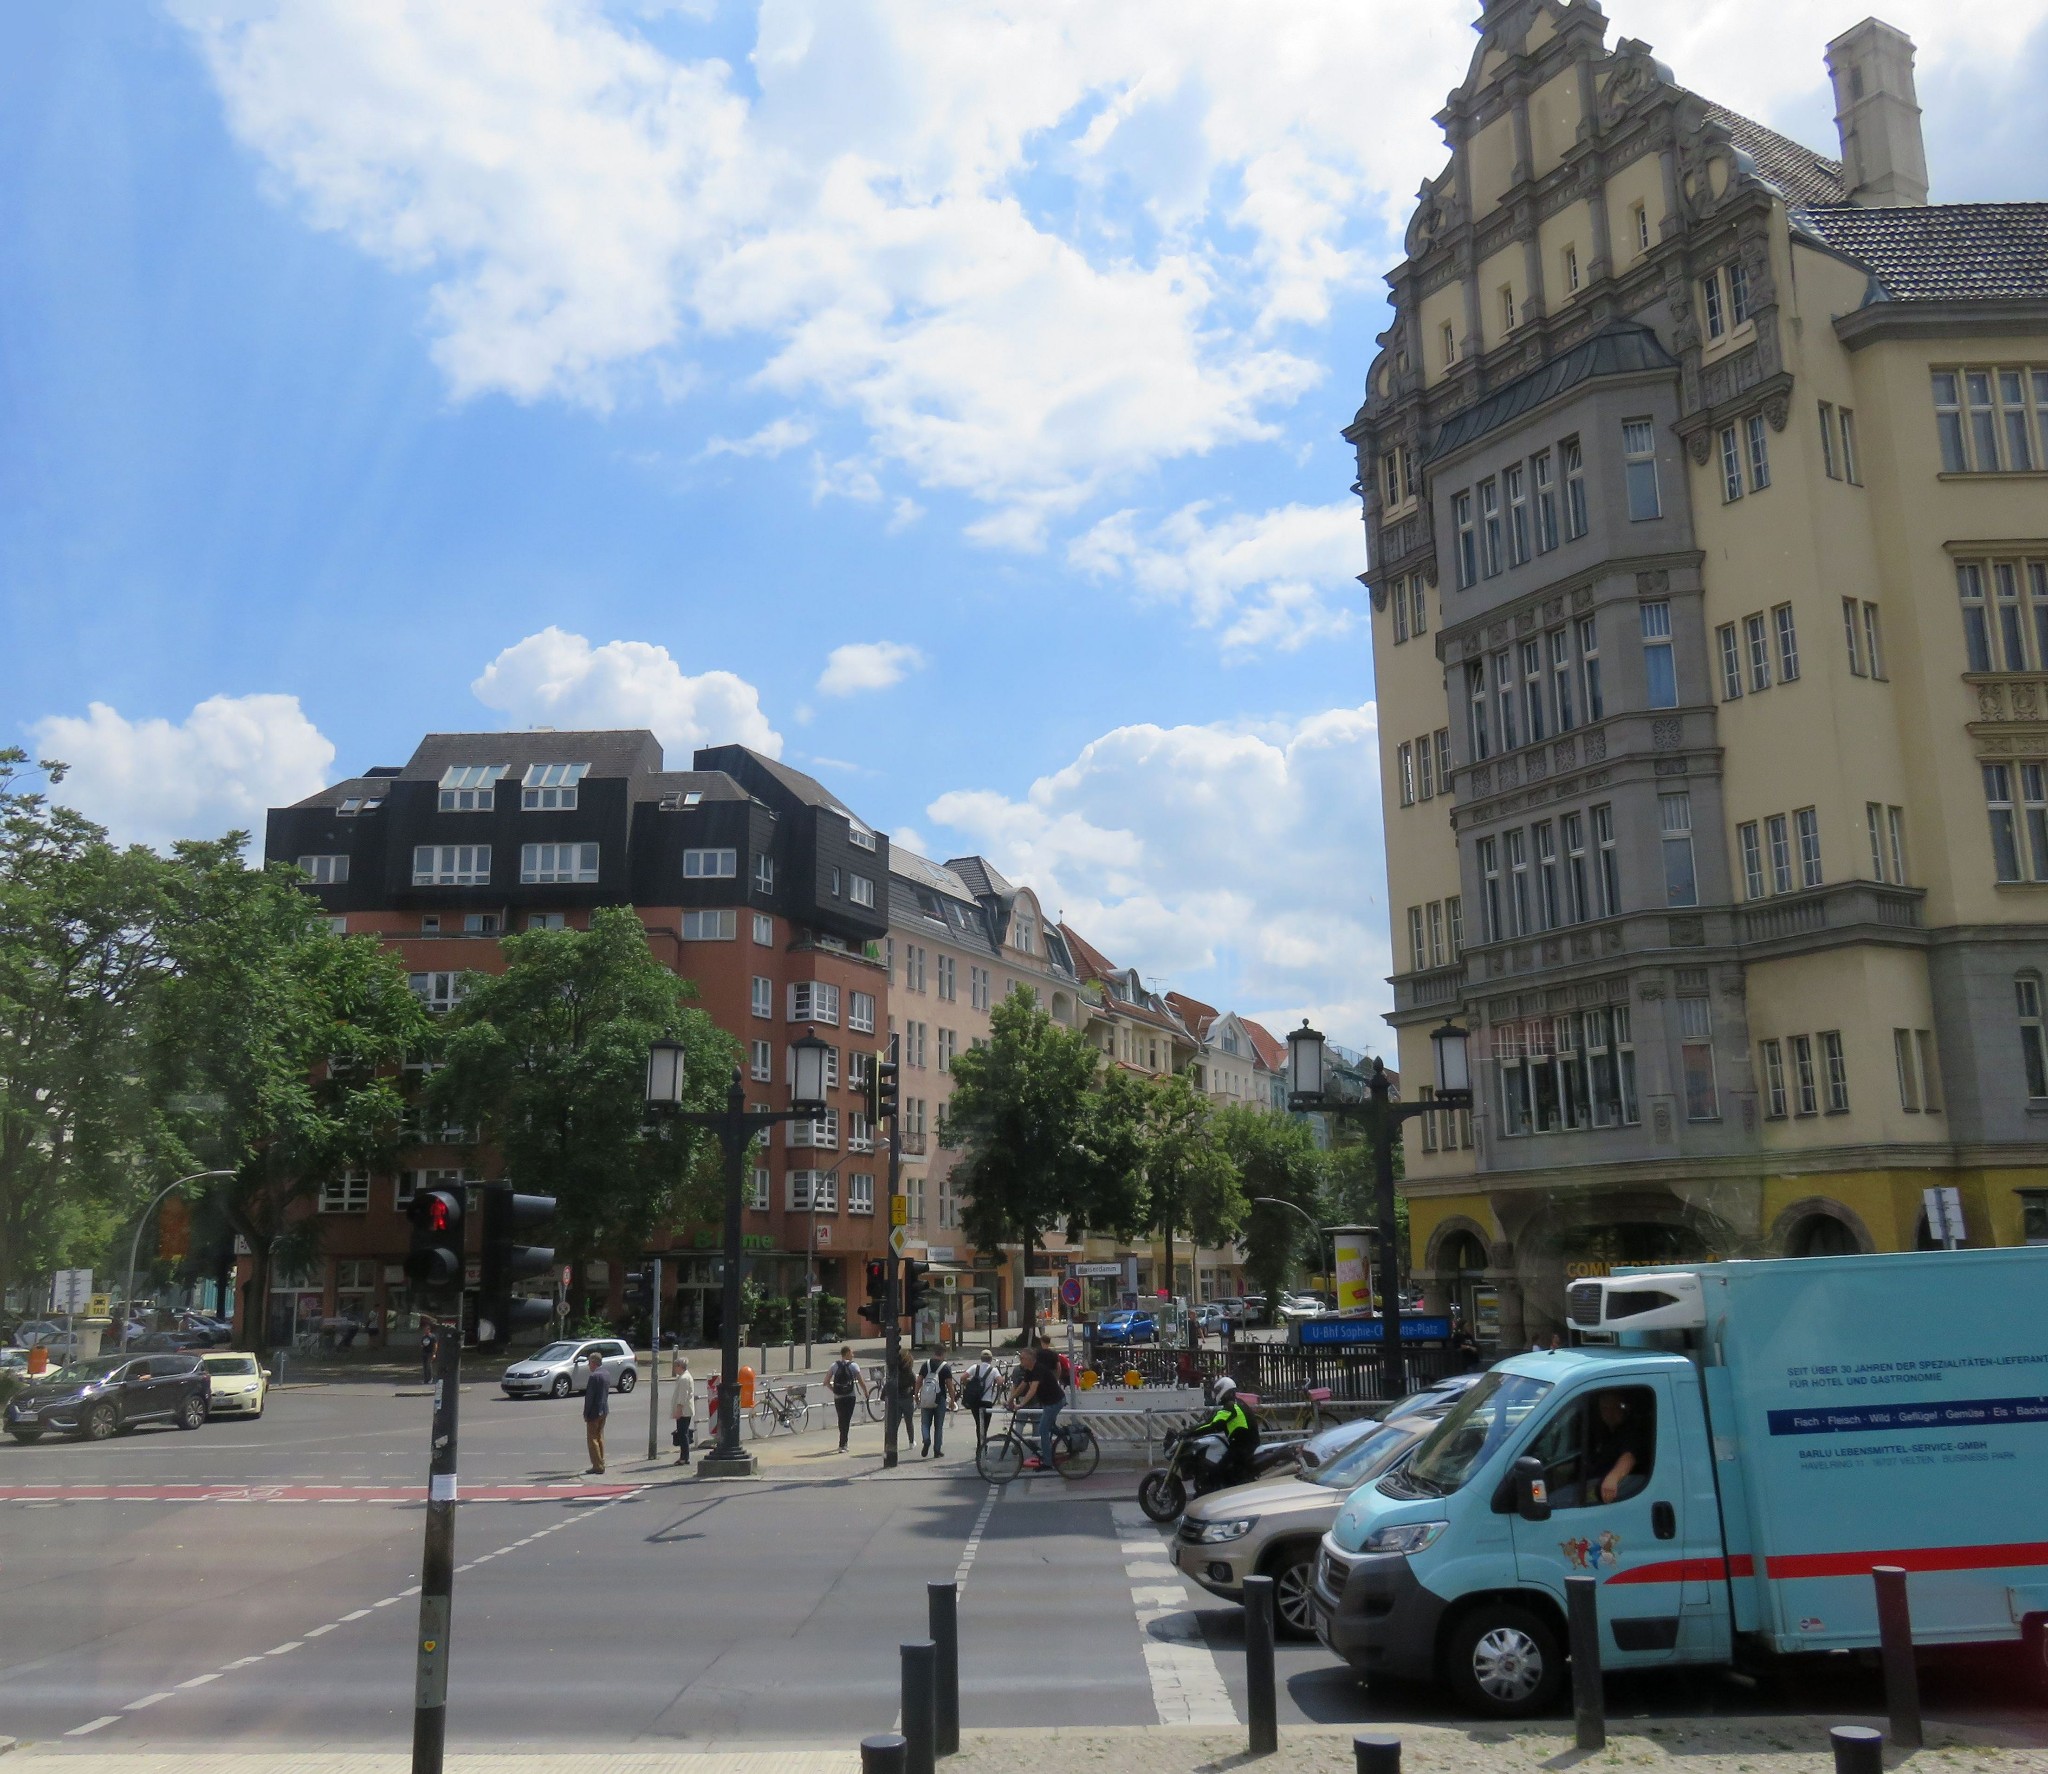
column 1406, row 1537
column 1214, row 1533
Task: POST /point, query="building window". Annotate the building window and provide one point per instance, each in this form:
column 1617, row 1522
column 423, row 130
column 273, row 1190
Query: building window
column 324, row 871
column 859, row 836
column 1873, row 825
column 1425, row 769
column 437, row 991
column 1639, row 217
column 1507, row 308
column 1835, row 1064
column 1639, row 469
column 819, row 1134
column 1849, row 469
column 1731, row 466
column 1571, row 269
column 757, row 1194
column 1989, row 419
column 1443, row 760
column 1540, row 471
column 1731, row 661
column 1543, row 836
column 1696, row 1059
column 764, row 996
column 2033, row 1035
column 813, row 1001
column 948, row 979
column 1418, row 605
column 764, row 873
column 949, row 1045
column 977, row 988
column 860, row 1190
column 1827, row 440
column 1489, row 528
column 479, row 923
column 1759, row 453
column 1450, row 344
column 914, row 958
column 1504, row 699
column 1489, row 887
column 1895, row 830
column 1788, row 644
column 1515, row 843
column 1397, row 606
column 546, row 921
column 1436, row 933
column 1873, row 638
column 1804, row 1083
column 1417, row 953
column 1660, row 673
column 861, row 889
column 1563, row 1073
column 710, row 926
column 1532, row 690
column 1454, row 921
column 1516, row 483
column 1390, row 477
column 1779, row 830
column 811, row 1191
column 764, row 930
column 1807, row 820
column 711, row 865
column 1774, row 1080
column 1576, row 516
column 1610, row 861
column 1710, row 302
column 1919, row 1082
column 1560, row 645
column 1852, row 634
column 1467, row 540
column 1577, row 884
column 470, row 788
column 1758, row 640
column 1751, row 842
column 551, row 788
column 1405, row 773
column 2005, row 828
column 1475, row 692
column 1589, row 666
column 451, row 865
column 1738, row 293
column 557, row 864
column 1674, row 813
column 762, row 1061
column 347, row 1193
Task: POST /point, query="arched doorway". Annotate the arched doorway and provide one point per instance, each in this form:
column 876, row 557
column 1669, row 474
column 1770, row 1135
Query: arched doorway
column 1461, row 1271
column 1820, row 1235
column 1594, row 1235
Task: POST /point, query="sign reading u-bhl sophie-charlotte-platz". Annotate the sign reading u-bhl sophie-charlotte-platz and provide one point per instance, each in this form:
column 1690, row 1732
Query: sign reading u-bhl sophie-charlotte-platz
column 1373, row 1330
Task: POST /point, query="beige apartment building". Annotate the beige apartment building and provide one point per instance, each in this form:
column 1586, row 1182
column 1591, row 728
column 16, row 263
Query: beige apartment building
column 1706, row 492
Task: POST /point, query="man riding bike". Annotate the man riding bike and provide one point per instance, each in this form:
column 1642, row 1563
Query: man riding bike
column 1234, row 1424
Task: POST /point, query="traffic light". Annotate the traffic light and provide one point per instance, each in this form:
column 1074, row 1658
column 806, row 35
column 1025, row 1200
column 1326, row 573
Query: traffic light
column 916, row 1286
column 885, row 1094
column 876, row 1306
column 639, row 1291
column 499, row 1311
column 434, row 1259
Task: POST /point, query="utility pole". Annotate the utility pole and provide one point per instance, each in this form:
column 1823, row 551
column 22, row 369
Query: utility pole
column 654, row 1361
column 437, row 1563
column 892, row 1332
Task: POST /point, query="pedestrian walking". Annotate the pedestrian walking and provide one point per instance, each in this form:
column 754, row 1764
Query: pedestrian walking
column 596, row 1407
column 978, row 1395
column 682, row 1406
column 899, row 1398
column 934, row 1393
column 841, row 1378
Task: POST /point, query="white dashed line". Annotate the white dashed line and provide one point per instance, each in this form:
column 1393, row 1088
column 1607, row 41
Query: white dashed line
column 200, row 1681
column 240, row 1663
column 280, row 1650
column 973, row 1545
column 112, row 1718
column 318, row 1630
column 385, row 1603
column 359, row 1614
column 1187, row 1686
column 146, row 1700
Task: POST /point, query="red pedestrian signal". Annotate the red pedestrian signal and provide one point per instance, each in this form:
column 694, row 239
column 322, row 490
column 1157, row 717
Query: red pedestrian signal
column 434, row 1260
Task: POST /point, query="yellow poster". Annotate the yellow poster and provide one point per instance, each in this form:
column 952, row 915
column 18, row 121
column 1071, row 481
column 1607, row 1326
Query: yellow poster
column 1354, row 1268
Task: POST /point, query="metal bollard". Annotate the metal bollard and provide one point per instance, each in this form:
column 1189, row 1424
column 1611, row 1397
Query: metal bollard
column 1261, row 1705
column 1377, row 1754
column 1895, row 1640
column 942, row 1601
column 919, row 1657
column 882, row 1754
column 1858, row 1749
column 1589, row 1696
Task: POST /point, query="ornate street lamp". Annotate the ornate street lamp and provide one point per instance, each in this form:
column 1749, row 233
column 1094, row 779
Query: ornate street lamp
column 1305, row 1063
column 807, row 1092
column 666, row 1076
column 1453, row 1067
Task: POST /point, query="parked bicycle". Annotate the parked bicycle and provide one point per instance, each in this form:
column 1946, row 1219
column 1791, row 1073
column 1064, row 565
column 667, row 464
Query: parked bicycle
column 788, row 1409
column 1075, row 1451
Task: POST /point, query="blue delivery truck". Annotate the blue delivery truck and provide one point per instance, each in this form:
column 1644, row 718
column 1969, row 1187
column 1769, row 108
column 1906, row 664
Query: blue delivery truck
column 1729, row 1456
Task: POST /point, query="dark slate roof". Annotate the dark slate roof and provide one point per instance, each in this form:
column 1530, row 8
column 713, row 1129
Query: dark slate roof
column 807, row 789
column 353, row 788
column 709, row 785
column 622, row 752
column 981, row 877
column 1803, row 175
column 1624, row 348
column 1942, row 252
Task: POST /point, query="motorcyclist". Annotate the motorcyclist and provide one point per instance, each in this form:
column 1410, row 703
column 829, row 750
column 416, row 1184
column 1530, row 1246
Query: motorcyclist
column 1230, row 1420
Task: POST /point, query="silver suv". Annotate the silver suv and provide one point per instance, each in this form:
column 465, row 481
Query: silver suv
column 563, row 1368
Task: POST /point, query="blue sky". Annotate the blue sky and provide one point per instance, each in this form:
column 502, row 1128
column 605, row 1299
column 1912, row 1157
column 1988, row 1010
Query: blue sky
column 945, row 396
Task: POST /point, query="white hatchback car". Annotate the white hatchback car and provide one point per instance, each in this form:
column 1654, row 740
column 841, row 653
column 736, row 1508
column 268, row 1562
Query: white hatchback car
column 563, row 1368
column 236, row 1386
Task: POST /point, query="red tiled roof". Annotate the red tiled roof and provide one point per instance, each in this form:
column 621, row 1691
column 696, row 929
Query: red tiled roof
column 1093, row 963
column 1272, row 1054
column 1199, row 1017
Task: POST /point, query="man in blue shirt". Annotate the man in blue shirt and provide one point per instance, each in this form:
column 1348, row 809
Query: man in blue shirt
column 596, row 1407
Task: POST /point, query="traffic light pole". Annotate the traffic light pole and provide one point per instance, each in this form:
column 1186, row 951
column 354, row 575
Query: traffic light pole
column 437, row 1563
column 892, row 1334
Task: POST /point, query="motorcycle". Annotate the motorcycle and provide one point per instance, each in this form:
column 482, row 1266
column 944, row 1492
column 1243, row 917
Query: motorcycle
column 1195, row 1466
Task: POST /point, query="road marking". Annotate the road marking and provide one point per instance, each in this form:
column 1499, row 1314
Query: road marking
column 288, row 1645
column 357, row 1615
column 974, row 1537
column 112, row 1718
column 146, row 1700
column 318, row 1630
column 200, row 1681
column 241, row 1663
column 1187, row 1686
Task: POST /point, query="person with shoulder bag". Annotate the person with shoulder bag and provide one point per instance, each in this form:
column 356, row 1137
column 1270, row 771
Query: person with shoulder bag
column 683, row 1408
column 934, row 1393
column 978, row 1396
column 840, row 1380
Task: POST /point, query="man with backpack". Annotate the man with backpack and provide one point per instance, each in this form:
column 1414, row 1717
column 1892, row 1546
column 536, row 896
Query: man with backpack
column 840, row 1380
column 978, row 1396
column 934, row 1392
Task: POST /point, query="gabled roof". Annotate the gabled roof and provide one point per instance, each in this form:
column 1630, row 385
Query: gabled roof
column 1803, row 175
column 1942, row 252
column 736, row 759
column 1199, row 1017
column 1089, row 961
column 981, row 877
column 1271, row 1053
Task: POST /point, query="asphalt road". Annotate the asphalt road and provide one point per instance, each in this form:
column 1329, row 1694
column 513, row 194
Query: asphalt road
column 251, row 1585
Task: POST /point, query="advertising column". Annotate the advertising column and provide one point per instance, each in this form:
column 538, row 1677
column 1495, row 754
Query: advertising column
column 1353, row 1256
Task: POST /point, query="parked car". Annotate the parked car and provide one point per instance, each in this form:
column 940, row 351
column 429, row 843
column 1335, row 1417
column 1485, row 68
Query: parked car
column 108, row 1395
column 199, row 1324
column 1209, row 1321
column 563, row 1368
column 236, row 1385
column 42, row 1333
column 1128, row 1327
column 1297, row 1306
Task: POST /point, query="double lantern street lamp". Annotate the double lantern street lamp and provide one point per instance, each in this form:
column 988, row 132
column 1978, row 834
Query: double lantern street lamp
column 737, row 1126
column 1308, row 1092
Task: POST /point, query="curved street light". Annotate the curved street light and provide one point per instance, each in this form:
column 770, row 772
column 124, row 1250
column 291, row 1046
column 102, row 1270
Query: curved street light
column 135, row 1243
column 1322, row 1249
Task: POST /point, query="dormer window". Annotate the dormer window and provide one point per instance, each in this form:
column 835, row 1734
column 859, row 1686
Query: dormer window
column 350, row 807
column 693, row 797
column 470, row 788
column 859, row 836
column 551, row 788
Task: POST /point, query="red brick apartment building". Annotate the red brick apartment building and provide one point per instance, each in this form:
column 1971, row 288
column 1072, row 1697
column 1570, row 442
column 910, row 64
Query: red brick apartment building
column 753, row 880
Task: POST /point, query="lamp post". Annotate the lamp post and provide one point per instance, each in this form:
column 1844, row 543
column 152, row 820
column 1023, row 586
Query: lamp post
column 135, row 1243
column 1309, row 1091
column 1322, row 1246
column 736, row 1126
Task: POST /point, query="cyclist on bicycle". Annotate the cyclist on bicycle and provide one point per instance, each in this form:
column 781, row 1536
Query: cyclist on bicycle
column 1038, row 1388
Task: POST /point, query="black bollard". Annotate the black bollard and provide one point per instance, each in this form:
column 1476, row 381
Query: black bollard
column 1589, row 1697
column 1260, row 1702
column 943, row 1602
column 918, row 1659
column 1895, row 1639
column 1377, row 1754
column 1858, row 1749
column 883, row 1754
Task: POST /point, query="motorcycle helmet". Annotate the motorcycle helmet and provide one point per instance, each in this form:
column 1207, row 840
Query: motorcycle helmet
column 1222, row 1389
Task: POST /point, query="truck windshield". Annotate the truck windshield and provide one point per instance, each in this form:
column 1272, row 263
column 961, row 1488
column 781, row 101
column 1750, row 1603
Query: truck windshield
column 1466, row 1439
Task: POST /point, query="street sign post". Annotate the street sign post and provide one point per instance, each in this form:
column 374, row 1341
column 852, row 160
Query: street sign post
column 1101, row 1271
column 898, row 1237
column 899, row 1210
column 1944, row 1215
column 1070, row 1291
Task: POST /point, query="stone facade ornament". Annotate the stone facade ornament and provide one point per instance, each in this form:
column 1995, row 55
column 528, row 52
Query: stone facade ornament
column 1666, row 734
column 1700, row 446
column 1777, row 410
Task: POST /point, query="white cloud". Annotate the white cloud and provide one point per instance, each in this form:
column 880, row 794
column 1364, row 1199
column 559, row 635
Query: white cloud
column 868, row 665
column 220, row 769
column 1239, row 864
column 553, row 679
column 775, row 437
column 1272, row 578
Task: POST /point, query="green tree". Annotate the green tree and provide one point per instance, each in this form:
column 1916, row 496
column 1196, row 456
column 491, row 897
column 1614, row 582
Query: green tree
column 1354, row 1191
column 548, row 1062
column 274, row 1048
column 1191, row 1184
column 79, row 956
column 1041, row 1143
column 1276, row 1156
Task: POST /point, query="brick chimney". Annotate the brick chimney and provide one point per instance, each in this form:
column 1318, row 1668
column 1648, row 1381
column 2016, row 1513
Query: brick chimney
column 1884, row 165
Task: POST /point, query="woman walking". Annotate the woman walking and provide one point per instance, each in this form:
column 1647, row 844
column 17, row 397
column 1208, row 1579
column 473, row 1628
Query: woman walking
column 683, row 1408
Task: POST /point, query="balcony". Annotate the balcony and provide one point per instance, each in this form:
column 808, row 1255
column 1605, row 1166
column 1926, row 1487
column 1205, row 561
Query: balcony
column 2007, row 699
column 911, row 1145
column 1844, row 912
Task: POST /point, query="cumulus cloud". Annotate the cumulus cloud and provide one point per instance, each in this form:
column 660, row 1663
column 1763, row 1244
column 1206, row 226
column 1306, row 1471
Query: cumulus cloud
column 555, row 679
column 773, row 439
column 1238, row 863
column 1271, row 578
column 151, row 781
column 868, row 665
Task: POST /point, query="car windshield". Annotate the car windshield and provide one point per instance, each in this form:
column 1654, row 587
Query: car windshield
column 228, row 1364
column 1368, row 1458
column 553, row 1352
column 1466, row 1439
column 98, row 1367
column 1326, row 1444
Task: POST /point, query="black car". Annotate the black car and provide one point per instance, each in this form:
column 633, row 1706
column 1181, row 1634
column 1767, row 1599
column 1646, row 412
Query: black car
column 110, row 1394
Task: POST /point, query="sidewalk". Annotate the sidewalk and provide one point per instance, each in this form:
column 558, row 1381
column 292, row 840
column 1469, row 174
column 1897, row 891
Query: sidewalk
column 1671, row 1746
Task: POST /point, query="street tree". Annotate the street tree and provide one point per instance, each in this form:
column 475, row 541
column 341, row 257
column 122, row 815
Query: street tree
column 1191, row 1184
column 547, row 1062
column 1276, row 1156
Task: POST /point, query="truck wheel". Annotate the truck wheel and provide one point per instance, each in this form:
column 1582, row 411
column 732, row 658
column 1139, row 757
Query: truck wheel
column 1504, row 1662
column 1161, row 1495
column 1294, row 1591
